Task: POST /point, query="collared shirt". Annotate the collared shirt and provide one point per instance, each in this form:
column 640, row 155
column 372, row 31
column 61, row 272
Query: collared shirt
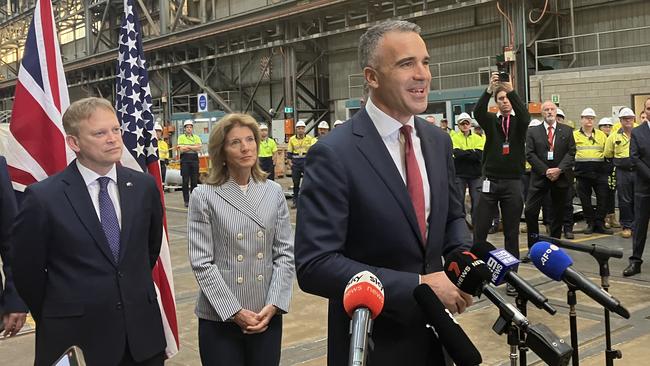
column 554, row 127
column 92, row 184
column 388, row 129
column 617, row 145
column 299, row 147
column 499, row 114
column 267, row 148
column 589, row 148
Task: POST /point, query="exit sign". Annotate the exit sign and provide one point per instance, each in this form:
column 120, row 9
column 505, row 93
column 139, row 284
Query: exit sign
column 555, row 98
column 288, row 109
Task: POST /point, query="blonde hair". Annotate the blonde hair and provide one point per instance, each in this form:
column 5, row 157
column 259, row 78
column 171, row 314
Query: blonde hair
column 81, row 110
column 218, row 173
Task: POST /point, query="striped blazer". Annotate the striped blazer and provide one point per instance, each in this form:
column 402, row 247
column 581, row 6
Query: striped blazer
column 240, row 248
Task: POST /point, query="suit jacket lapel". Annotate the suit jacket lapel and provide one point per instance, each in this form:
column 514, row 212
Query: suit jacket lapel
column 127, row 198
column 246, row 204
column 373, row 148
column 77, row 194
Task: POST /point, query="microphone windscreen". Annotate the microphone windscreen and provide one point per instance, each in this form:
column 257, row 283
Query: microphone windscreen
column 500, row 262
column 364, row 290
column 467, row 271
column 550, row 259
column 458, row 345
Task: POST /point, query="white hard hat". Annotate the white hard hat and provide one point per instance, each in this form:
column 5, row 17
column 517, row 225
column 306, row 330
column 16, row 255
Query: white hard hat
column 157, row 127
column 606, row 121
column 626, row 112
column 534, row 122
column 188, row 122
column 338, row 122
column 301, row 123
column 560, row 113
column 464, row 117
column 158, row 119
column 323, row 124
column 263, row 126
column 588, row 112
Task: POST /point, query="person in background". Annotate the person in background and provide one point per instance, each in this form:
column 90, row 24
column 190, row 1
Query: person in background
column 241, row 252
column 337, row 123
column 431, row 119
column 468, row 153
column 297, row 149
column 444, row 124
column 605, row 125
column 268, row 152
column 617, row 148
column 591, row 172
column 560, row 116
column 12, row 308
column 323, row 128
column 163, row 151
column 189, row 146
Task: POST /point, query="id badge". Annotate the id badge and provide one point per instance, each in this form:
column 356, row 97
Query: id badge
column 486, row 186
column 549, row 156
column 506, row 148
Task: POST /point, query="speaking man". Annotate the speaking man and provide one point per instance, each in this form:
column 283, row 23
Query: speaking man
column 379, row 195
column 85, row 242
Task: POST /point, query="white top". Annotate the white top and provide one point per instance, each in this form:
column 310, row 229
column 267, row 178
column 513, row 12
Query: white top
column 388, row 129
column 546, row 126
column 90, row 177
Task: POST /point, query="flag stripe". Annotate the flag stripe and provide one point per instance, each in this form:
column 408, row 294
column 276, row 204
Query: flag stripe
column 32, row 64
column 50, row 55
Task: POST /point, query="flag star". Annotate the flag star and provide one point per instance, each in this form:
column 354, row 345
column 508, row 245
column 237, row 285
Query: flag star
column 131, row 42
column 125, row 128
column 139, row 150
column 152, row 150
column 122, row 92
column 130, row 27
column 132, row 61
column 134, row 97
column 138, row 132
column 137, row 114
column 147, row 90
column 120, row 57
column 122, row 74
column 123, row 108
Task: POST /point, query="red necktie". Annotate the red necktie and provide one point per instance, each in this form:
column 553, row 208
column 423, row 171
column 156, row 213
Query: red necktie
column 550, row 137
column 414, row 180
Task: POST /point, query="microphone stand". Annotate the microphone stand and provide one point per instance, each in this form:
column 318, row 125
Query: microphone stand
column 573, row 323
column 521, row 301
column 610, row 354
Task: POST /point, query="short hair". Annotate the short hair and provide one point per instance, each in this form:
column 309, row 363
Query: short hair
column 369, row 40
column 499, row 89
column 218, row 173
column 81, row 110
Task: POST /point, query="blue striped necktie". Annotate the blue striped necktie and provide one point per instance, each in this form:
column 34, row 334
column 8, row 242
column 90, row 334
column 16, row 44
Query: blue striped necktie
column 108, row 218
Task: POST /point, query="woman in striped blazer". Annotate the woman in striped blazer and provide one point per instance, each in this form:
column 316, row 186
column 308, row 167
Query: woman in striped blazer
column 241, row 251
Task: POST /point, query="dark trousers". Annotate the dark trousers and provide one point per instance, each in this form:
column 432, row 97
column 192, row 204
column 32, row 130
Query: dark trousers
column 127, row 359
column 474, row 186
column 625, row 187
column 585, row 185
column 190, row 174
column 267, row 165
column 640, row 234
column 297, row 171
column 534, row 200
column 506, row 194
column 163, row 170
column 223, row 343
column 547, row 209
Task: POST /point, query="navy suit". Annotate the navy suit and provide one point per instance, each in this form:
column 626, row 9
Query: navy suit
column 66, row 273
column 355, row 214
column 640, row 154
column 10, row 302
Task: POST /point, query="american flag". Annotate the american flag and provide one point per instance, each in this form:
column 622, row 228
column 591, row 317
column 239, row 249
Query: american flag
column 133, row 105
column 36, row 146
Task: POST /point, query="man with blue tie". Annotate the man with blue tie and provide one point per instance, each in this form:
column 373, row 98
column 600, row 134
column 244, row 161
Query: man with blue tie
column 390, row 206
column 85, row 242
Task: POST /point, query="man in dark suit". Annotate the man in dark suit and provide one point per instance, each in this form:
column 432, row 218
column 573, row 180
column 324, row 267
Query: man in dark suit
column 640, row 154
column 12, row 308
column 550, row 150
column 379, row 195
column 85, row 242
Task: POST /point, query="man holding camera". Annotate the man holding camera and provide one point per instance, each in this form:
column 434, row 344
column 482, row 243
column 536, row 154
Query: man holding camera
column 503, row 161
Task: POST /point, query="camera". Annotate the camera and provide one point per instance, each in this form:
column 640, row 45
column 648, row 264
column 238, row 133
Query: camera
column 504, row 76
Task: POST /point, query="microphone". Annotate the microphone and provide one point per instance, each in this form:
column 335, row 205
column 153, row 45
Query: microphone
column 556, row 264
column 363, row 300
column 471, row 275
column 503, row 265
column 596, row 251
column 458, row 345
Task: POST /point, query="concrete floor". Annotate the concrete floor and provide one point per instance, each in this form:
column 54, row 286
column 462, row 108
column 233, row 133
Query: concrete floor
column 304, row 338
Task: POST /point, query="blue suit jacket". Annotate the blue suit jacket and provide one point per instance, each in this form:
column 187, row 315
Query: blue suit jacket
column 10, row 302
column 355, row 214
column 640, row 154
column 65, row 272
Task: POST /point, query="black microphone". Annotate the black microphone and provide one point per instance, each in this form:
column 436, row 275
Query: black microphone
column 502, row 264
column 458, row 345
column 596, row 251
column 471, row 275
column 556, row 264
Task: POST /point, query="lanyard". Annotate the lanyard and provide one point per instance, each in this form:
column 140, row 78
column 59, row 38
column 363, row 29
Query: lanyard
column 505, row 128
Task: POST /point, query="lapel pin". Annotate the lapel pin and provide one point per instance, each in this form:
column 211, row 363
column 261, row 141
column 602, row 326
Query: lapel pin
column 129, row 184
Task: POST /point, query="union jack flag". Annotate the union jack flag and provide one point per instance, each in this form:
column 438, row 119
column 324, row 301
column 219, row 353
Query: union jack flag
column 36, row 146
column 133, row 105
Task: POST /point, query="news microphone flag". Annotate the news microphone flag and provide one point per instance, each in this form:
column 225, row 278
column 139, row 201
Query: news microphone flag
column 133, row 105
column 36, row 147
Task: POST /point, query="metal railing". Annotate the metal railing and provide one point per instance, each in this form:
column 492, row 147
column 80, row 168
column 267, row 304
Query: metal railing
column 5, row 116
column 591, row 43
column 444, row 75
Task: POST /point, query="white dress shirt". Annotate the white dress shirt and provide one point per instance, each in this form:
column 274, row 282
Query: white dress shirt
column 90, row 178
column 388, row 129
column 554, row 127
